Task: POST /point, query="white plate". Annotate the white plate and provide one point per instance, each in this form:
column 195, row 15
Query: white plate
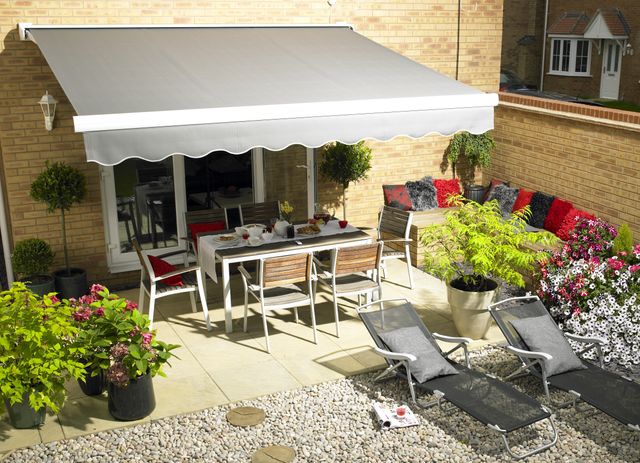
column 255, row 245
column 232, row 241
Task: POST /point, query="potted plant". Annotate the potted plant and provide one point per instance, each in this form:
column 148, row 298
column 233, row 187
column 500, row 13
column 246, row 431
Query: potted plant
column 473, row 247
column 118, row 340
column 60, row 186
column 344, row 164
column 37, row 354
column 476, row 151
column 31, row 261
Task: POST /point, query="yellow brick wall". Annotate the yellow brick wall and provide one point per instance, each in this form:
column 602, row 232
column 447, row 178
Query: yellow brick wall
column 423, row 31
column 595, row 166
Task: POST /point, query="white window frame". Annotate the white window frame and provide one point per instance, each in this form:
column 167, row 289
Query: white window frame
column 573, row 47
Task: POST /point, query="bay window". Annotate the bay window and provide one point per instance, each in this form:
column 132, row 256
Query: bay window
column 571, row 57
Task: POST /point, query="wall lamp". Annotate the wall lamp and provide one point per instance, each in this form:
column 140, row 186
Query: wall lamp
column 48, row 105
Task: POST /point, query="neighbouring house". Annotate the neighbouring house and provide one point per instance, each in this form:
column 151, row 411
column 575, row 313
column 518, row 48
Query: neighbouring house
column 147, row 195
column 589, row 49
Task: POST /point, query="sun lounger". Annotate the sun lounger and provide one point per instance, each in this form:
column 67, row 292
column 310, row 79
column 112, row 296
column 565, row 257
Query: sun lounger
column 613, row 394
column 496, row 404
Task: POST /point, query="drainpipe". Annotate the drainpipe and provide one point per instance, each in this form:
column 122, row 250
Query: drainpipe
column 544, row 44
column 4, row 231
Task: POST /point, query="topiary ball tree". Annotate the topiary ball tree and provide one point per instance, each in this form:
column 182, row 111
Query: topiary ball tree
column 343, row 164
column 31, row 257
column 60, row 186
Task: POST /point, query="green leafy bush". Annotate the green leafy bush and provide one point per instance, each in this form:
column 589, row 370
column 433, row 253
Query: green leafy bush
column 623, row 242
column 475, row 243
column 32, row 256
column 37, row 353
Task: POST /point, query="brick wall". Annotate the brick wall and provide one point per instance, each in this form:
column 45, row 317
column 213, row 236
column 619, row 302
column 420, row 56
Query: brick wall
column 423, row 31
column 589, row 156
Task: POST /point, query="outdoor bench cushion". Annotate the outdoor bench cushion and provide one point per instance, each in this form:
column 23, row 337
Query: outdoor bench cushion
column 506, row 197
column 540, row 204
column 397, row 196
column 557, row 212
column 422, row 194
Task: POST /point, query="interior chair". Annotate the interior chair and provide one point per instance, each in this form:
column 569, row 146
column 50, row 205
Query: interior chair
column 394, row 226
column 527, row 325
column 155, row 288
column 284, row 283
column 412, row 354
column 126, row 214
column 352, row 271
column 259, row 212
column 162, row 213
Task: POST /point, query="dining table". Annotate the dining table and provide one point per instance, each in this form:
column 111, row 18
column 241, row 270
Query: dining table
column 212, row 251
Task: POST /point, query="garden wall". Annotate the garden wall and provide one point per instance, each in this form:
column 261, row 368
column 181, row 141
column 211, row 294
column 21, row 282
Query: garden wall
column 587, row 155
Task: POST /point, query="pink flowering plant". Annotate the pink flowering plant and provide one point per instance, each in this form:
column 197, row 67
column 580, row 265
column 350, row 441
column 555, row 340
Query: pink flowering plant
column 590, row 290
column 118, row 337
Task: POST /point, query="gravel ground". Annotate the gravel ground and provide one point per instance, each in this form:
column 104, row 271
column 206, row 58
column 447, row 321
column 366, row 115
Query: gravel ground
column 333, row 422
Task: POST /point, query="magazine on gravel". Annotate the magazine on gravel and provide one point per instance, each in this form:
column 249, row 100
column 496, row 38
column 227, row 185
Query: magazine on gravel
column 388, row 419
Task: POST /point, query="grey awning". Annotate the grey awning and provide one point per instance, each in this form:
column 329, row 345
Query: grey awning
column 151, row 92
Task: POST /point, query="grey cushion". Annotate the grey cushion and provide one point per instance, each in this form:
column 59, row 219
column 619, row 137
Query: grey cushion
column 429, row 362
column 422, row 194
column 540, row 205
column 506, row 198
column 541, row 334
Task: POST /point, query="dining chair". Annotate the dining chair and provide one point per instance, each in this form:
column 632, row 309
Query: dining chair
column 259, row 212
column 279, row 287
column 352, row 271
column 394, row 226
column 198, row 220
column 155, row 288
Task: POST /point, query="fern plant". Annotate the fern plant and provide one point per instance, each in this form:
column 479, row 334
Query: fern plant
column 475, row 244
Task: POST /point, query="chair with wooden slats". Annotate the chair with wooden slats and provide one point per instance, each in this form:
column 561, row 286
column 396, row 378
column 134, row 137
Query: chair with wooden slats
column 202, row 216
column 353, row 271
column 284, row 283
column 394, row 226
column 259, row 212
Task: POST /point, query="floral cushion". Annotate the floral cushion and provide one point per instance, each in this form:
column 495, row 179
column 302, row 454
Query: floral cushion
column 557, row 212
column 523, row 199
column 569, row 222
column 203, row 227
column 445, row 189
column 161, row 267
column 397, row 196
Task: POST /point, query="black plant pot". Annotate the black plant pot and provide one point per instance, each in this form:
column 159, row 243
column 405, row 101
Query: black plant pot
column 72, row 284
column 23, row 416
column 475, row 193
column 133, row 402
column 93, row 385
column 40, row 284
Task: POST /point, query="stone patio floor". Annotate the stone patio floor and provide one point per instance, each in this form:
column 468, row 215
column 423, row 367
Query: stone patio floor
column 217, row 368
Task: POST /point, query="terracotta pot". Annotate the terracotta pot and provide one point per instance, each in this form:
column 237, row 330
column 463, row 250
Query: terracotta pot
column 469, row 310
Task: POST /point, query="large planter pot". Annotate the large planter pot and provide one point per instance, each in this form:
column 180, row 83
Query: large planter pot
column 22, row 416
column 40, row 284
column 475, row 193
column 93, row 385
column 72, row 284
column 134, row 401
column 469, row 310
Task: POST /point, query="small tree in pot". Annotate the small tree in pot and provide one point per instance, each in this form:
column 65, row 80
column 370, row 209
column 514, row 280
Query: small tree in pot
column 31, row 261
column 344, row 164
column 476, row 150
column 473, row 246
column 60, row 186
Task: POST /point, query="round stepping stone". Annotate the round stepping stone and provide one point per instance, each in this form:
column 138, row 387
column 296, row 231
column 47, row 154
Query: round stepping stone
column 245, row 416
column 274, row 454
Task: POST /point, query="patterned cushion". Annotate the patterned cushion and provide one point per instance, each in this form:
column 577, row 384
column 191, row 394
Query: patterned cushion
column 160, row 267
column 422, row 194
column 446, row 188
column 557, row 212
column 540, row 204
column 523, row 199
column 505, row 196
column 494, row 183
column 396, row 196
column 569, row 222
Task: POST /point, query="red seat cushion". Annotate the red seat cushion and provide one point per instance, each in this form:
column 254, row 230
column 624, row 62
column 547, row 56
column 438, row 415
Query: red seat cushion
column 161, row 267
column 557, row 212
column 446, row 188
column 201, row 227
column 523, row 199
column 569, row 222
column 397, row 196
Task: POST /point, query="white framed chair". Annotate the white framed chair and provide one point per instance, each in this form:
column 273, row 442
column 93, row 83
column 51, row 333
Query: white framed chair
column 259, row 212
column 394, row 226
column 152, row 285
column 201, row 216
column 279, row 288
column 353, row 271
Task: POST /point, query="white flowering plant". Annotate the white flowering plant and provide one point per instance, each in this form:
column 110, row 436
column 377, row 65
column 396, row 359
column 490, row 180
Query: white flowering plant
column 596, row 292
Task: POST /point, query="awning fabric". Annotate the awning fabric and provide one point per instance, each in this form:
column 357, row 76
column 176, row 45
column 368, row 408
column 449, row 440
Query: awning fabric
column 153, row 92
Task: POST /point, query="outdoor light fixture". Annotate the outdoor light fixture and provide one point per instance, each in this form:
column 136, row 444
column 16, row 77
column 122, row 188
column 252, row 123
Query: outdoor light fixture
column 48, row 105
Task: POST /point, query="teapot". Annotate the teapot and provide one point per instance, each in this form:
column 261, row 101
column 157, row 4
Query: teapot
column 280, row 228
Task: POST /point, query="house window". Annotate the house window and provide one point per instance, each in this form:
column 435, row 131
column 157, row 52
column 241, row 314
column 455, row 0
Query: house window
column 570, row 57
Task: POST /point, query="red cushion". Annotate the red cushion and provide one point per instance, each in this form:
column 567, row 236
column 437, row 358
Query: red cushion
column 523, row 199
column 557, row 212
column 202, row 227
column 569, row 222
column 494, row 183
column 396, row 196
column 446, row 188
column 160, row 267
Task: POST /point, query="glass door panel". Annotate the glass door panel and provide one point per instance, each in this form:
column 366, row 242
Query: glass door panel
column 286, row 177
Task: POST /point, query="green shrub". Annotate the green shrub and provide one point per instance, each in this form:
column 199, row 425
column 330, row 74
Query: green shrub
column 32, row 256
column 624, row 241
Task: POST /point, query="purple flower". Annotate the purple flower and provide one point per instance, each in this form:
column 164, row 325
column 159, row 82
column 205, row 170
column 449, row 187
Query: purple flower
column 99, row 312
column 82, row 314
column 119, row 351
column 147, row 338
column 118, row 374
column 131, row 306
